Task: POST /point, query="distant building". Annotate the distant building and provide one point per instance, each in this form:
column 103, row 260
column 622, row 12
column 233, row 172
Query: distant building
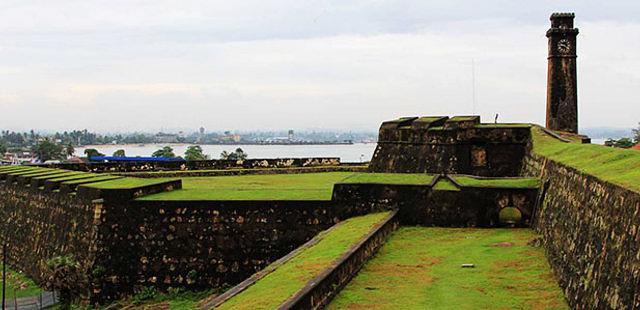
column 291, row 138
column 166, row 138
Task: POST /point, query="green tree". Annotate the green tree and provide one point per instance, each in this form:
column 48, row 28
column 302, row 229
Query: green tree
column 69, row 150
column 194, row 152
column 63, row 277
column 119, row 153
column 47, row 150
column 3, row 148
column 624, row 143
column 238, row 154
column 636, row 134
column 92, row 153
column 166, row 151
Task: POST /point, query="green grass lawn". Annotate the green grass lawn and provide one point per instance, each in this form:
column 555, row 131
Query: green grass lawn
column 276, row 287
column 390, row 178
column 63, row 173
column 124, row 183
column 420, row 268
column 445, row 185
column 93, row 179
column 20, row 284
column 73, row 177
column 505, row 182
column 618, row 166
column 304, row 186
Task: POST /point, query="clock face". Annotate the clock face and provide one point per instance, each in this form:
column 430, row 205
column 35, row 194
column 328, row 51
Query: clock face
column 564, row 46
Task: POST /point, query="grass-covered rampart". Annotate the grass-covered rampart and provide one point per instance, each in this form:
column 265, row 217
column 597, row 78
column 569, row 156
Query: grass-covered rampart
column 287, row 279
column 618, row 166
column 308, row 186
column 421, row 268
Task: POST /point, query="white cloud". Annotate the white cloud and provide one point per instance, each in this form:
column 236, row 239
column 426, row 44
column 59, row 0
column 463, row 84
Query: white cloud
column 147, row 64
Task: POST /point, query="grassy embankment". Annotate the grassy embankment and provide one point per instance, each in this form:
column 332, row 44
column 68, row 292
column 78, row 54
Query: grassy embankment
column 618, row 166
column 283, row 282
column 421, row 268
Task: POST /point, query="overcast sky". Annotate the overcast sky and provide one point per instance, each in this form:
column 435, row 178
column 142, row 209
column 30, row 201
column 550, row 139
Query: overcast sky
column 260, row 64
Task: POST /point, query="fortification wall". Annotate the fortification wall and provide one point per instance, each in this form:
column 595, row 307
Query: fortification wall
column 39, row 225
column 421, row 205
column 458, row 145
column 141, row 165
column 123, row 243
column 591, row 234
column 204, row 244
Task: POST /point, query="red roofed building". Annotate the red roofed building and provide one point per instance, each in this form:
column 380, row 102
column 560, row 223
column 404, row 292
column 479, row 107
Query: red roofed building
column 636, row 147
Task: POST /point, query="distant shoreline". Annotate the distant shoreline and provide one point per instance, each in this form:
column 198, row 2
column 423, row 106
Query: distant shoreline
column 223, row 144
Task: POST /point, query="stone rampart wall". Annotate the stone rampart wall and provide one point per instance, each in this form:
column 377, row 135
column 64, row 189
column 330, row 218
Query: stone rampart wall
column 40, row 225
column 128, row 166
column 494, row 152
column 204, row 244
column 420, row 205
column 591, row 234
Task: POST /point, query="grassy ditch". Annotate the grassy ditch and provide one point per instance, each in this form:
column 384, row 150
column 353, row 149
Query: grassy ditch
column 281, row 284
column 618, row 166
column 421, row 268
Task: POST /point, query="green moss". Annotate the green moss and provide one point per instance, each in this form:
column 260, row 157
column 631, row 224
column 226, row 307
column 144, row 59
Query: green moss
column 74, row 177
column 445, row 185
column 390, row 178
column 31, row 172
column 429, row 119
column 305, row 186
column 505, row 182
column 276, row 287
column 503, row 125
column 20, row 284
column 420, row 268
column 436, row 128
column 464, row 118
column 59, row 174
column 618, row 166
column 4, row 169
column 126, row 183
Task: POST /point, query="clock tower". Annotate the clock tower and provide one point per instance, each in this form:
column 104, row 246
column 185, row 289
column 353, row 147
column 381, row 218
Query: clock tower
column 562, row 96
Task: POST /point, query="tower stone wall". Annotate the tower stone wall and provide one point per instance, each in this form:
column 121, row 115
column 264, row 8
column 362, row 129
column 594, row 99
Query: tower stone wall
column 562, row 96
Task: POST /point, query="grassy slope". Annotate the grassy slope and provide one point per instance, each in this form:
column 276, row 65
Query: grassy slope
column 307, row 186
column 22, row 285
column 286, row 280
column 420, row 268
column 617, row 166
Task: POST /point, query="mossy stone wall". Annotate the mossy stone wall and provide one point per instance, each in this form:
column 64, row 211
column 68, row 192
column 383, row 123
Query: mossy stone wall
column 591, row 234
